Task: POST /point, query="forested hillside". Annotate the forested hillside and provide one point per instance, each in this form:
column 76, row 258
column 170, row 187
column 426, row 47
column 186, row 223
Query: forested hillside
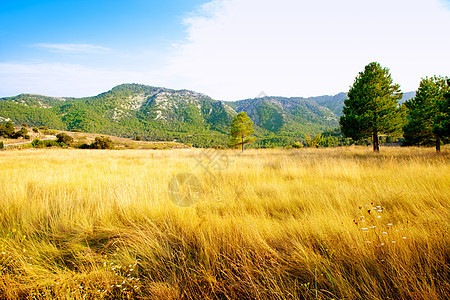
column 155, row 113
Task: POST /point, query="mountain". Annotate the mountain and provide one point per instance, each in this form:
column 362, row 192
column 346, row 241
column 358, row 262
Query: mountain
column 334, row 103
column 129, row 110
column 156, row 113
column 407, row 96
column 278, row 114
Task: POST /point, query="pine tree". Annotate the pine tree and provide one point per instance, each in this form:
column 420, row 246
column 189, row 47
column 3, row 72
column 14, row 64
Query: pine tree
column 428, row 119
column 442, row 126
column 372, row 106
column 241, row 131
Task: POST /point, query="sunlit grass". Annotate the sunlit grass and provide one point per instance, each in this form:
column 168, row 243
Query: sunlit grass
column 268, row 224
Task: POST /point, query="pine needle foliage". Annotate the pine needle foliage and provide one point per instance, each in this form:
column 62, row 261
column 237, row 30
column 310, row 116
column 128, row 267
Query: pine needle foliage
column 241, row 131
column 372, row 106
column 428, row 114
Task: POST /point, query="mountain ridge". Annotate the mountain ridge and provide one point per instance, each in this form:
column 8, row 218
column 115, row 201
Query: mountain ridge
column 158, row 113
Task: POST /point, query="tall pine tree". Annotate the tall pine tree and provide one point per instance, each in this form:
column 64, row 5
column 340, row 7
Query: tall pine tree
column 372, row 106
column 428, row 114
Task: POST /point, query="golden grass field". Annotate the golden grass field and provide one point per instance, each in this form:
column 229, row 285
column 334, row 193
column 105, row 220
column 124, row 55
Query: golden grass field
column 338, row 223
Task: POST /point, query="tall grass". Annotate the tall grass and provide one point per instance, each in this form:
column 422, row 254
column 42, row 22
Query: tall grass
column 274, row 224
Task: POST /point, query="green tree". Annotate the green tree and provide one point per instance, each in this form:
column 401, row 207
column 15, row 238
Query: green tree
column 241, row 131
column 314, row 142
column 442, row 125
column 9, row 129
column 22, row 132
column 372, row 106
column 428, row 114
column 64, row 138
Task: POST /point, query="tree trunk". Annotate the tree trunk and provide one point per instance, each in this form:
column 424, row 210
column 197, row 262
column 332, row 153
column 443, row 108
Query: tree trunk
column 376, row 147
column 242, row 144
column 438, row 144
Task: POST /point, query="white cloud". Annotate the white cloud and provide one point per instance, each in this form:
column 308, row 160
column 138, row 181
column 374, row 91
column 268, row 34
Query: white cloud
column 73, row 48
column 237, row 48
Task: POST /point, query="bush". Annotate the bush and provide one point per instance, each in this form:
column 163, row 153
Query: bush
column 26, row 136
column 218, row 147
column 22, row 132
column 84, row 146
column 51, row 143
column 49, row 131
column 64, row 138
column 138, row 138
column 1, row 145
column 37, row 143
column 102, row 142
column 35, row 130
column 297, row 145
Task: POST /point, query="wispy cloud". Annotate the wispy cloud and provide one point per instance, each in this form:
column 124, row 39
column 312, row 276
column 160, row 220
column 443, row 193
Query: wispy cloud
column 73, row 48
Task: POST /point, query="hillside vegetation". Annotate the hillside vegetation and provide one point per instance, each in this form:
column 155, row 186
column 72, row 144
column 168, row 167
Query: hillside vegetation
column 338, row 223
column 157, row 113
column 161, row 114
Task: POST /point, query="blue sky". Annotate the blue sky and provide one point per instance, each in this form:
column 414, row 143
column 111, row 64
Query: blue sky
column 228, row 49
column 110, row 23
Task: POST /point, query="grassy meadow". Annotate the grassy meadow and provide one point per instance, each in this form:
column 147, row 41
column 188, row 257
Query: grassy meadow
column 340, row 223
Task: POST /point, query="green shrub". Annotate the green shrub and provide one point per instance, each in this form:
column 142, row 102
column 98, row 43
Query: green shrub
column 64, row 138
column 102, row 142
column 297, row 145
column 35, row 129
column 51, row 143
column 1, row 145
column 84, row 146
column 37, row 143
column 22, row 132
column 49, row 131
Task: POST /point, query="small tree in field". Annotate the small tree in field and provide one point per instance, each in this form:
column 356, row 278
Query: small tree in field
column 372, row 106
column 241, row 131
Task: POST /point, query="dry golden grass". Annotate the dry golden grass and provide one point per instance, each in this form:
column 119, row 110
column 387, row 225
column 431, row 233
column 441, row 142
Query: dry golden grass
column 272, row 224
